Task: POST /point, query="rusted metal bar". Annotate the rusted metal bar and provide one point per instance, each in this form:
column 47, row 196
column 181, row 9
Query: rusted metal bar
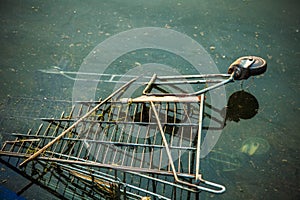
column 75, row 124
column 149, row 84
column 160, row 98
column 199, row 137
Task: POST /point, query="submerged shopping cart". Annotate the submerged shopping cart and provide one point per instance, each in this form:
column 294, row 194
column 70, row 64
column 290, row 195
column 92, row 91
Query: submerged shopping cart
column 147, row 146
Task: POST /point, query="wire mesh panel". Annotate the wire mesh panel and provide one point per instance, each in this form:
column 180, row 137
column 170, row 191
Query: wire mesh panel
column 65, row 182
column 124, row 136
column 151, row 143
column 121, row 148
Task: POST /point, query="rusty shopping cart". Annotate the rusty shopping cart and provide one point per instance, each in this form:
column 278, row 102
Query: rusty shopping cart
column 147, row 146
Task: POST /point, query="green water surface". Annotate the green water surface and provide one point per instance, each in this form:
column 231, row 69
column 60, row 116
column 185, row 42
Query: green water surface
column 39, row 34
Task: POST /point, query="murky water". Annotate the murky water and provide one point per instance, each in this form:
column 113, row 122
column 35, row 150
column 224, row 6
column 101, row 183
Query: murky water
column 38, row 35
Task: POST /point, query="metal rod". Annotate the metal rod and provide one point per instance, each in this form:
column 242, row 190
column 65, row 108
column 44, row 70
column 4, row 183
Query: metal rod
column 164, row 140
column 75, row 124
column 230, row 79
column 198, row 175
column 197, row 81
column 193, row 76
column 214, row 86
column 149, row 84
column 112, row 76
column 161, row 98
column 220, row 187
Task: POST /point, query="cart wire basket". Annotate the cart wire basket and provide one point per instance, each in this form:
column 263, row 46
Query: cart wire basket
column 144, row 147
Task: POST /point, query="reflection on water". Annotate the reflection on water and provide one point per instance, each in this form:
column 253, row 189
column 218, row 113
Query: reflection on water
column 63, row 62
column 37, row 35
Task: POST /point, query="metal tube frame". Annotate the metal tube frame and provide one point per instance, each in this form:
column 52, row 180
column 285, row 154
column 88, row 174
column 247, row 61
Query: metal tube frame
column 148, row 97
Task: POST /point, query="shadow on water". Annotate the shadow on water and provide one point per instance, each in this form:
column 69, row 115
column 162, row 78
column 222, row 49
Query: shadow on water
column 241, row 105
column 253, row 152
column 236, row 156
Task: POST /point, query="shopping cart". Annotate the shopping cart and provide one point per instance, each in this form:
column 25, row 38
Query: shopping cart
column 144, row 147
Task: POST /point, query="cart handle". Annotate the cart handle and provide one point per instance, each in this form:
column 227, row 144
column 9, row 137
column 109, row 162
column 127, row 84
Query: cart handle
column 219, row 188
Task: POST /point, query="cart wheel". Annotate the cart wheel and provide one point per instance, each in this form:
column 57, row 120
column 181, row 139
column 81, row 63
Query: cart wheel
column 247, row 66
